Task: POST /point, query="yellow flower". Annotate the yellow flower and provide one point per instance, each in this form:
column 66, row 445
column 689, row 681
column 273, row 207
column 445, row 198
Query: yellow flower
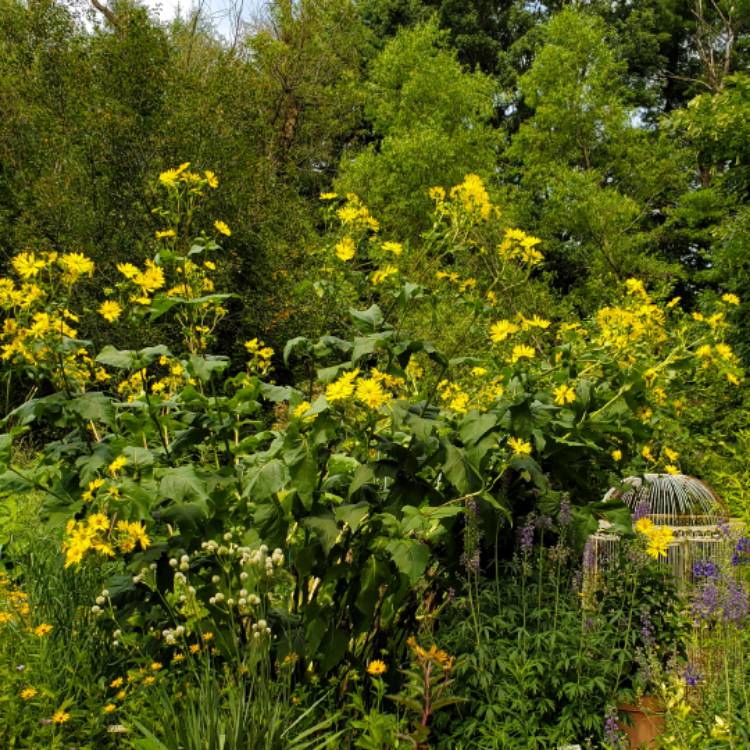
column 564, row 394
column 732, row 378
column 28, row 693
column 169, row 177
column 521, row 351
column 345, row 249
column 75, row 265
column 659, row 540
column 501, row 330
column 195, row 648
column 211, row 179
column 60, row 717
column 730, row 299
column 222, row 228
column 473, row 196
column 616, row 454
column 117, row 464
column 27, row 265
column 328, row 196
column 436, row 193
column 724, row 351
column 671, row 469
column 371, row 394
column 209, row 265
column 704, row 352
column 519, row 447
column 395, row 248
column 670, row 454
column 376, row 668
column 379, row 276
column 44, row 629
column 156, row 666
column 150, row 680
column 117, row 682
column 208, row 636
column 165, row 234
column 149, row 280
column 342, row 388
column 644, row 525
column 110, row 310
column 110, row 708
column 301, row 409
column 128, row 270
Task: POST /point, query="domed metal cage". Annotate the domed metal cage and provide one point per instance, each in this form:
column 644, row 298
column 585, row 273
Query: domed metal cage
column 694, row 512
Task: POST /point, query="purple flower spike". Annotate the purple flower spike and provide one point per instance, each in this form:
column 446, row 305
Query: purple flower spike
column 642, row 509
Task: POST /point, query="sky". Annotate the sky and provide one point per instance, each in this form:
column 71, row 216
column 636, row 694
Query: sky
column 221, row 12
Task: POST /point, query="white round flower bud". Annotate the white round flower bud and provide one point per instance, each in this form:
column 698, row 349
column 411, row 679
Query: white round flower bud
column 215, row 579
column 100, row 600
column 173, row 562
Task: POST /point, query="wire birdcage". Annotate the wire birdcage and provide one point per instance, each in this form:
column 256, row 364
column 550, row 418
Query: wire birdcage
column 694, row 512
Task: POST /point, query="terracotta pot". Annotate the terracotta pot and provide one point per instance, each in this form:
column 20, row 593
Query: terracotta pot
column 645, row 721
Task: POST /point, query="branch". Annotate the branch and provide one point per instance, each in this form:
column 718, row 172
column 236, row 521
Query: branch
column 106, row 12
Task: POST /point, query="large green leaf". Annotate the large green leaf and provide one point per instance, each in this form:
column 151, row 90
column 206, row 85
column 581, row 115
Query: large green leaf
column 459, row 471
column 267, row 480
column 182, row 483
column 410, row 557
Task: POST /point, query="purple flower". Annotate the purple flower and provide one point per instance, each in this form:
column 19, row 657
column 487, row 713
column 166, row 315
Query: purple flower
column 724, row 528
column 736, row 602
column 589, row 555
column 647, row 633
column 706, row 569
column 544, row 523
column 526, row 536
column 706, row 601
column 564, row 515
column 642, row 509
column 692, row 676
column 612, row 728
column 741, row 552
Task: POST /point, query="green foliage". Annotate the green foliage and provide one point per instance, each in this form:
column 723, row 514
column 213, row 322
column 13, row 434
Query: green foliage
column 431, row 118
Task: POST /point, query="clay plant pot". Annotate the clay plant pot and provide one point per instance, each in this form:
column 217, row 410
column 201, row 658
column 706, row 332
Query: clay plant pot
column 645, row 721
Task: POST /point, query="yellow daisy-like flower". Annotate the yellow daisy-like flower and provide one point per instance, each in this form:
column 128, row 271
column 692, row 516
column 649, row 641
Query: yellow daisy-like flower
column 395, row 248
column 379, row 276
column 156, row 666
column 616, row 454
column 75, row 265
column 644, row 525
column 28, row 693
column 110, row 310
column 150, row 680
column 117, row 464
column 519, row 446
column 564, row 394
column 222, row 228
column 60, row 717
column 301, row 409
column 671, row 469
column 44, row 629
column 165, row 234
column 522, row 351
column 371, row 394
column 659, row 541
column 27, row 265
column 502, row 330
column 376, row 668
column 730, row 299
column 128, row 270
column 328, row 196
column 345, row 249
column 208, row 636
column 117, row 682
column 211, row 179
column 342, row 388
column 110, row 708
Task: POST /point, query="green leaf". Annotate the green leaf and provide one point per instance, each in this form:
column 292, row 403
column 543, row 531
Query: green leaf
column 268, row 480
column 204, row 367
column 181, row 484
column 326, row 530
column 94, row 407
column 120, row 359
column 410, row 557
column 459, row 471
column 368, row 321
column 351, row 514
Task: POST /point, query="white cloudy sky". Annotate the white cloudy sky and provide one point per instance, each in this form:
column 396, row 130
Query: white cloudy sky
column 222, row 12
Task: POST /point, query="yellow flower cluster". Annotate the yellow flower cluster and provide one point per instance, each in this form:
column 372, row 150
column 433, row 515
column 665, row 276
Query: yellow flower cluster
column 519, row 246
column 356, row 215
column 182, row 176
column 372, row 392
column 14, row 604
column 432, row 655
column 98, row 533
column 658, row 538
column 147, row 281
column 260, row 357
column 473, row 197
